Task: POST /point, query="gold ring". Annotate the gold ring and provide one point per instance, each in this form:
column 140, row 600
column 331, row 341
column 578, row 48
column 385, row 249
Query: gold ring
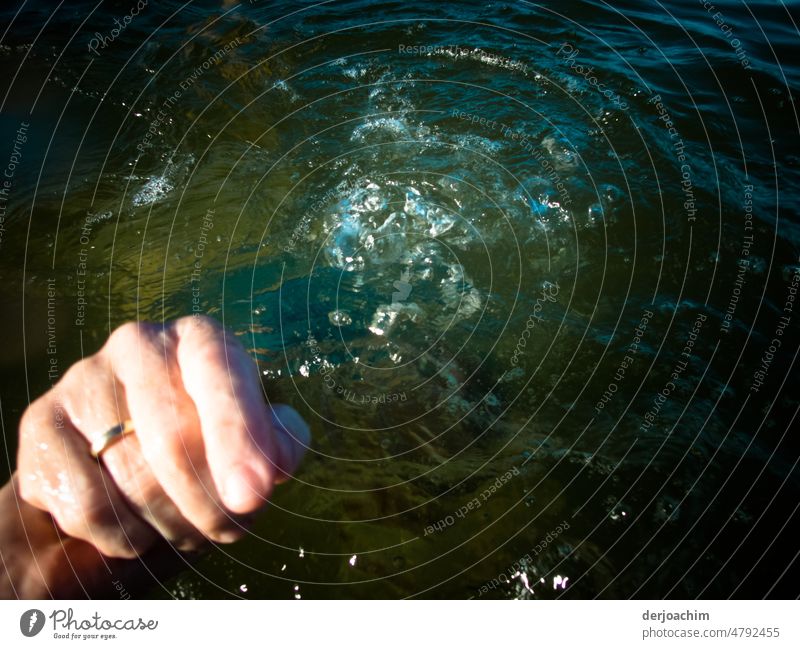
column 110, row 437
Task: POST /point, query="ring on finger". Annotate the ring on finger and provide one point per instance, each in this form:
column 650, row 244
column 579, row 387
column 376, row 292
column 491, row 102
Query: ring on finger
column 110, row 437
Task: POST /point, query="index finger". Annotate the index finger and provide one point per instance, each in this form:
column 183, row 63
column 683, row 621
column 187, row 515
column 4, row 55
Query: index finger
column 247, row 453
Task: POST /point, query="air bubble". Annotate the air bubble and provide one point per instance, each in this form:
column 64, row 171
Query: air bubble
column 340, row 318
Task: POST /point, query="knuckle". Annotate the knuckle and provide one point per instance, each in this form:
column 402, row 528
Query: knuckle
column 199, row 323
column 205, row 336
column 70, row 521
column 126, row 334
column 134, row 337
column 29, row 417
column 26, row 456
column 28, row 492
column 36, row 415
column 75, row 378
column 150, row 345
column 35, row 428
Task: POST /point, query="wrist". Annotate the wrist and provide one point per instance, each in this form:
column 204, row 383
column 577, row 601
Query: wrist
column 37, row 562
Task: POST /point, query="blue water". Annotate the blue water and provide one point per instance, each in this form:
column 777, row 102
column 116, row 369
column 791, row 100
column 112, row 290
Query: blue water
column 528, row 257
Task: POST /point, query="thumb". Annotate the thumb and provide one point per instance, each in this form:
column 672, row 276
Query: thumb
column 292, row 438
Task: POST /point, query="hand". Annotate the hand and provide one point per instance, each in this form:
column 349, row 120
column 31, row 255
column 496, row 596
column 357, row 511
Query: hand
column 206, row 452
column 38, row 561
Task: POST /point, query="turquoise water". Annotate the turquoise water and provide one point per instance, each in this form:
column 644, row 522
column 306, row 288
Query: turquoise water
column 521, row 266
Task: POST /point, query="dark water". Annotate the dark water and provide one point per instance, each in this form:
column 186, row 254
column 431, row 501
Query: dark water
column 539, row 316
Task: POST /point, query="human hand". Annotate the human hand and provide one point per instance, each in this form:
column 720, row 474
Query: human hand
column 206, row 451
column 39, row 561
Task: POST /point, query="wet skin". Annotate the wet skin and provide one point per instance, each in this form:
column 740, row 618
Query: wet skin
column 205, row 458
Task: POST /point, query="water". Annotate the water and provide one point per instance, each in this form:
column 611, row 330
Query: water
column 523, row 304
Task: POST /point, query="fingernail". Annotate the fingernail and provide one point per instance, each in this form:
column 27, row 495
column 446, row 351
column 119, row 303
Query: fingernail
column 242, row 523
column 292, row 435
column 229, row 536
column 245, row 490
column 287, row 418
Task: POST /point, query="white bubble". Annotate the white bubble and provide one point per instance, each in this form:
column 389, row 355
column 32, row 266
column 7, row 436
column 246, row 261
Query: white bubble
column 340, row 318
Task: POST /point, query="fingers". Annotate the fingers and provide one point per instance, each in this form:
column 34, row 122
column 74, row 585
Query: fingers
column 135, row 478
column 57, row 474
column 293, row 438
column 247, row 450
column 168, row 435
column 95, row 399
column 40, row 562
column 207, row 450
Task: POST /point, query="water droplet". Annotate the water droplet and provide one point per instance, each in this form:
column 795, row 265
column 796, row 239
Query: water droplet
column 618, row 513
column 340, row 318
column 155, row 189
column 595, row 213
